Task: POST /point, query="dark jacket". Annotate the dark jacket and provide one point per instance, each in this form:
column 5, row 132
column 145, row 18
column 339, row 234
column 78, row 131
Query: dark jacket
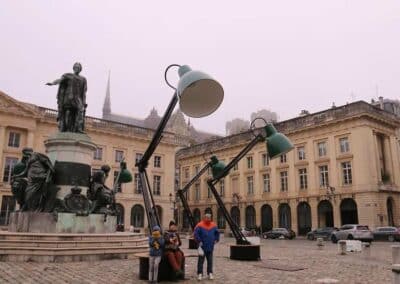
column 207, row 234
column 156, row 246
column 169, row 244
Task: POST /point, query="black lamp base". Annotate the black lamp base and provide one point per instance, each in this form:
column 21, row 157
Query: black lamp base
column 245, row 252
column 192, row 244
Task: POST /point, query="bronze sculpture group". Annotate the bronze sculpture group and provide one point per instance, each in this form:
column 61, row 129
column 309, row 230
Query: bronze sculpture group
column 32, row 180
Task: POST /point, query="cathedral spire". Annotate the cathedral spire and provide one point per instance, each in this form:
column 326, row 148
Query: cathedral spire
column 107, row 100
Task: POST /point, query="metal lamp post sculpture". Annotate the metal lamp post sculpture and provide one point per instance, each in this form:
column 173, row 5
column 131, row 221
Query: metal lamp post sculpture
column 277, row 144
column 199, row 95
column 181, row 193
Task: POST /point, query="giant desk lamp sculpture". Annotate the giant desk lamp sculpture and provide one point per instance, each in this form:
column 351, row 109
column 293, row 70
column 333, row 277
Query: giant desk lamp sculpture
column 199, row 95
column 181, row 193
column 277, row 144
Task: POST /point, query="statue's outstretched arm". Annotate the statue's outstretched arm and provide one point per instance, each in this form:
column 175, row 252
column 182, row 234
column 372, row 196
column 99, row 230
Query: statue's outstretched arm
column 55, row 82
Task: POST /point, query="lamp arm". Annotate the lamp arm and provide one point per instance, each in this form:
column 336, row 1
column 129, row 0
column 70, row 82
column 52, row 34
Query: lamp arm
column 245, row 150
column 148, row 200
column 183, row 199
column 149, row 204
column 143, row 162
column 240, row 238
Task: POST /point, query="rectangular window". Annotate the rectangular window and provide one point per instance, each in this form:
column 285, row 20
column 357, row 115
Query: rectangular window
column 119, row 186
column 265, row 160
column 208, row 192
column 157, row 185
column 222, row 188
column 284, row 181
column 250, row 185
column 98, row 154
column 347, row 177
column 236, row 167
column 266, row 183
column 14, row 139
column 186, row 173
column 157, row 161
column 283, row 158
column 8, row 167
column 303, row 178
column 249, row 162
column 7, row 207
column 322, row 149
column 344, row 145
column 196, row 169
column 138, row 157
column 119, row 155
column 301, row 152
column 137, row 185
column 197, row 191
column 323, row 176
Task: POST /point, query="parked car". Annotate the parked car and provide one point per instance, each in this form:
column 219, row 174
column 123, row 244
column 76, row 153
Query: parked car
column 387, row 233
column 278, row 233
column 324, row 233
column 352, row 232
column 247, row 232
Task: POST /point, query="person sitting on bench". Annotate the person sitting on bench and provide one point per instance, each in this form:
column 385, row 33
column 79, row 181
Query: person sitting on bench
column 172, row 251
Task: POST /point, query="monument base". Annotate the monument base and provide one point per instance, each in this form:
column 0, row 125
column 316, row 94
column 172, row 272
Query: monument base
column 45, row 247
column 32, row 222
column 245, row 252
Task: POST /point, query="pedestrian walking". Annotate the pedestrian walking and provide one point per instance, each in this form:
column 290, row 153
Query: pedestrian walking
column 206, row 235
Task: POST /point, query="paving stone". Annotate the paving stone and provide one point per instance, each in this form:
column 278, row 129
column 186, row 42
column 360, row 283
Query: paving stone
column 318, row 264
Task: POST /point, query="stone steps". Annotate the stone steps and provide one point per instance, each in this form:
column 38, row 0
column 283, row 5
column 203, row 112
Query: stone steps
column 69, row 237
column 71, row 244
column 22, row 247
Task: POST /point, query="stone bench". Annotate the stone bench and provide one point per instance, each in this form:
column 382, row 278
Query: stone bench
column 165, row 272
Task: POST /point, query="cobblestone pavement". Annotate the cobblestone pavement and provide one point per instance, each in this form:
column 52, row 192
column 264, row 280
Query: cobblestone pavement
column 302, row 254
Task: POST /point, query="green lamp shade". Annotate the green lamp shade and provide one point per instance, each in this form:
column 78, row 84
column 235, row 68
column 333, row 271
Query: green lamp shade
column 199, row 94
column 217, row 167
column 125, row 175
column 277, row 143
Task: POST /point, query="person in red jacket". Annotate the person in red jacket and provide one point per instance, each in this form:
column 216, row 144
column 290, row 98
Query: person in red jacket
column 206, row 235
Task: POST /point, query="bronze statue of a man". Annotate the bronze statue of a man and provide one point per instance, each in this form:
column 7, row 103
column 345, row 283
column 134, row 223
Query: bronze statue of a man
column 71, row 100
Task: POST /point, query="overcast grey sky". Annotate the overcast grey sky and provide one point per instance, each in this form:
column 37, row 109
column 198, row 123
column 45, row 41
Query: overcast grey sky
column 280, row 55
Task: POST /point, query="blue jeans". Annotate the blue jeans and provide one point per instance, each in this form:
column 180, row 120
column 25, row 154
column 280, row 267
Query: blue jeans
column 200, row 262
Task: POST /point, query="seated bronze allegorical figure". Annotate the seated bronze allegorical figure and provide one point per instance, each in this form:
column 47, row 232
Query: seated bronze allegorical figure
column 32, row 181
column 102, row 197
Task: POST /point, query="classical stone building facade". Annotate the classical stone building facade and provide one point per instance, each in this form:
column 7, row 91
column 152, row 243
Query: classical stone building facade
column 344, row 169
column 26, row 125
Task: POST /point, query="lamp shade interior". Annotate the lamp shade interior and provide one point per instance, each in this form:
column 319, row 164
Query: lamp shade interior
column 199, row 94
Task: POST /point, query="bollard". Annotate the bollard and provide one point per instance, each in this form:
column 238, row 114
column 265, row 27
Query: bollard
column 342, row 247
column 327, row 281
column 320, row 243
column 396, row 273
column 395, row 254
column 366, row 249
column 396, row 264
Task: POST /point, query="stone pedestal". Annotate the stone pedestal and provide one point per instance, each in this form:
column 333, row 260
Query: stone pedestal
column 71, row 155
column 32, row 222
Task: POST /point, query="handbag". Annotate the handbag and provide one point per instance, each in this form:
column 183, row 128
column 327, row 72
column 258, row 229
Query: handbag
column 200, row 251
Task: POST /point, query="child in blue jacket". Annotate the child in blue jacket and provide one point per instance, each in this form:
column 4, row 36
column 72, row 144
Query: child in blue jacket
column 156, row 244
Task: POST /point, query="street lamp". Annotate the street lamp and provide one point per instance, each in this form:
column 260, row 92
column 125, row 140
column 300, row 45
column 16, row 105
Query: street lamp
column 199, row 95
column 277, row 144
column 172, row 201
